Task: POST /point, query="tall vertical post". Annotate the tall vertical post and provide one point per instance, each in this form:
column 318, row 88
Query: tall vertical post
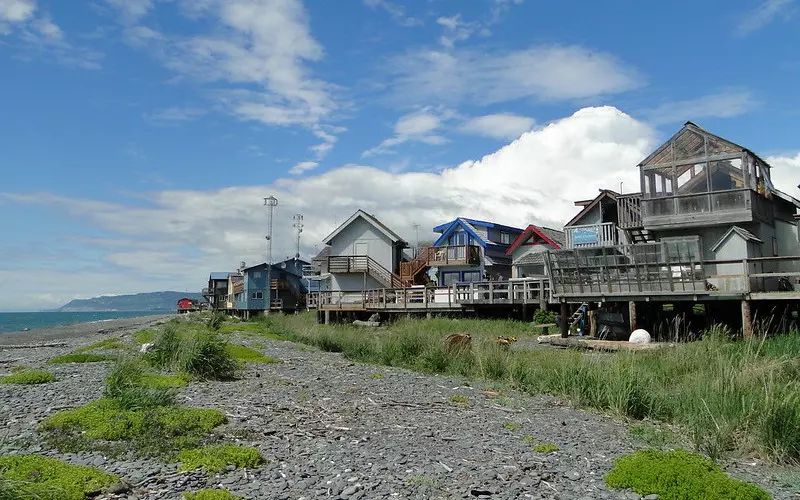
column 270, row 202
column 416, row 232
column 564, row 320
column 747, row 320
column 632, row 314
column 298, row 224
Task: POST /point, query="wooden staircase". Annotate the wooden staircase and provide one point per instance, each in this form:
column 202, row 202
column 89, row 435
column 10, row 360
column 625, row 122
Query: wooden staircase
column 640, row 235
column 577, row 315
column 410, row 270
column 364, row 264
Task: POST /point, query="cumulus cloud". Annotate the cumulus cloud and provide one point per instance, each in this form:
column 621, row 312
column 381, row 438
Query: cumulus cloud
column 786, row 173
column 397, row 12
column 724, row 104
column 181, row 235
column 544, row 72
column 498, row 126
column 16, row 11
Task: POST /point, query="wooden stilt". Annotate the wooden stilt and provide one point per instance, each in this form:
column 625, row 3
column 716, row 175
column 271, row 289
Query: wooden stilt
column 564, row 320
column 593, row 323
column 632, row 314
column 747, row 320
column 327, row 317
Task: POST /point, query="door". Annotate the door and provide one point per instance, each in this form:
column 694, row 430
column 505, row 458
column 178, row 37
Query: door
column 362, row 248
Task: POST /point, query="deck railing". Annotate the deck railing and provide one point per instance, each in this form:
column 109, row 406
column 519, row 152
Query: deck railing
column 706, row 206
column 591, row 235
column 363, row 264
column 629, row 210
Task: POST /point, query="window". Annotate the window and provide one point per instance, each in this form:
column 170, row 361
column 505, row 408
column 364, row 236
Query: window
column 257, row 275
column 258, row 295
column 470, row 276
column 505, row 238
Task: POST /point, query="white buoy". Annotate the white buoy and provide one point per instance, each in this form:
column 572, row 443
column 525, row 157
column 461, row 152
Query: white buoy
column 639, row 336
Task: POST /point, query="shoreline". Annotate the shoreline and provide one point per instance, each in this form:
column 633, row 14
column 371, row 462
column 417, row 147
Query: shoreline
column 106, row 327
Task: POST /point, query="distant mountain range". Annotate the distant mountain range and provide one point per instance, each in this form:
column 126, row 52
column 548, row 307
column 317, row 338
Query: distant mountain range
column 152, row 301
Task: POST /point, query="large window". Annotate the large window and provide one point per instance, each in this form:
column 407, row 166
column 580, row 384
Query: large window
column 505, row 238
column 471, row 276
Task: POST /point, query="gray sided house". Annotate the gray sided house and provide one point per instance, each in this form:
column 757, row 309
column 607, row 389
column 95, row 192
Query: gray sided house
column 364, row 254
column 707, row 224
column 527, row 251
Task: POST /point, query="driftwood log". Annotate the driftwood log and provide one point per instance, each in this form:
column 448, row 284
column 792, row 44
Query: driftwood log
column 32, row 346
column 373, row 324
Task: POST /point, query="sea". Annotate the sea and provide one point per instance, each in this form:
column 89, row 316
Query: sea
column 11, row 322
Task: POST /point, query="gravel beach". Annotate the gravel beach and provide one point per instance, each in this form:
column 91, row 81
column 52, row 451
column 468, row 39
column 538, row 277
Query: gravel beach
column 330, row 428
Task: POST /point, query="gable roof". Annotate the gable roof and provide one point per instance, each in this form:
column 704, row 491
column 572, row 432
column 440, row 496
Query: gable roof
column 587, row 207
column 452, row 226
column 475, row 222
column 219, row 275
column 743, row 233
column 370, row 220
column 554, row 237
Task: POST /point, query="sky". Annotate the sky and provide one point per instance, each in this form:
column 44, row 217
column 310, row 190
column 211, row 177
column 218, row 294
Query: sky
column 138, row 138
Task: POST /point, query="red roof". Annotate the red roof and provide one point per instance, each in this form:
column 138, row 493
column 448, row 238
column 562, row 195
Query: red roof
column 526, row 234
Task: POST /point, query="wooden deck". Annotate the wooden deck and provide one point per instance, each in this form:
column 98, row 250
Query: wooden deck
column 459, row 297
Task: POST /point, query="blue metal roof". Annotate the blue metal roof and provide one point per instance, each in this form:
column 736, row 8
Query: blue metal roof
column 219, row 276
column 474, row 222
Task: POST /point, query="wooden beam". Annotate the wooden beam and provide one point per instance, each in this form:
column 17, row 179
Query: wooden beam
column 564, row 320
column 747, row 320
column 632, row 314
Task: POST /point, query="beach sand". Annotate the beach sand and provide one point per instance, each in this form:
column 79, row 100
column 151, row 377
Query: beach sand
column 83, row 331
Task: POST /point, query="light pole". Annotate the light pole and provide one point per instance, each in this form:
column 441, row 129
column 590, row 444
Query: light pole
column 298, row 224
column 270, row 202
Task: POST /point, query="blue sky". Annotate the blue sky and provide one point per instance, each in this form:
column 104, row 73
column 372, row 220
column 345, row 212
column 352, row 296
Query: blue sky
column 139, row 136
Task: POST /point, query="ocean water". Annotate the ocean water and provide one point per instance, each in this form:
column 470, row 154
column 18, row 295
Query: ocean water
column 18, row 321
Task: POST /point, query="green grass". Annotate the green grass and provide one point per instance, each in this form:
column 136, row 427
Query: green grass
column 152, row 431
column 511, row 426
column 678, row 475
column 79, row 358
column 191, row 348
column 248, row 354
column 162, row 381
column 36, row 477
column 216, row 458
column 730, row 398
column 210, row 495
column 28, row 378
column 545, row 448
column 654, row 436
column 145, row 336
column 114, row 343
column 459, row 399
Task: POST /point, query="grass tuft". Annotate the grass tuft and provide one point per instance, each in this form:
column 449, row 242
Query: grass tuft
column 79, row 358
column 110, row 344
column 545, row 448
column 678, row 475
column 248, row 354
column 459, row 399
column 192, row 349
column 45, row 478
column 28, row 378
column 216, row 458
column 210, row 495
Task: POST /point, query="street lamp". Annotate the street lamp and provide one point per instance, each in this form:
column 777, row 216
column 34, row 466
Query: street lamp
column 270, row 202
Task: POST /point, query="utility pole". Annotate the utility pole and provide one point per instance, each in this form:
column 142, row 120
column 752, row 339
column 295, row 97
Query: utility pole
column 298, row 224
column 416, row 231
column 270, row 202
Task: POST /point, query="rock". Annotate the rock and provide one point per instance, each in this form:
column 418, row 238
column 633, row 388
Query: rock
column 572, row 475
column 119, row 487
column 651, row 496
column 639, row 336
column 145, row 348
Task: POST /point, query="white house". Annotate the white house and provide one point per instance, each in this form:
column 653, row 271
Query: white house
column 364, row 254
column 527, row 251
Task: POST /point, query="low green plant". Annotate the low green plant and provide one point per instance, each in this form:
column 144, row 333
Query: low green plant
column 678, row 475
column 156, row 431
column 215, row 321
column 545, row 448
column 653, row 435
column 125, row 384
column 114, row 343
column 544, row 317
column 248, row 354
column 38, row 477
column 79, row 358
column 192, row 349
column 377, row 375
column 163, row 381
column 459, row 399
column 145, row 336
column 511, row 426
column 210, row 495
column 28, row 378
column 528, row 439
column 217, row 457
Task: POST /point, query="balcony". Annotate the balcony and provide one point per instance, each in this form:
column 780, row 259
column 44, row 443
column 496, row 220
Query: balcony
column 629, row 211
column 455, row 255
column 704, row 209
column 591, row 235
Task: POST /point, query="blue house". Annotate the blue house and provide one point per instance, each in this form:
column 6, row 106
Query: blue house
column 286, row 291
column 466, row 250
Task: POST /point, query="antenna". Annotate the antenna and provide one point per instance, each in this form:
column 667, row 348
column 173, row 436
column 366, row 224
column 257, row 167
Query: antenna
column 270, row 202
column 298, row 224
column 416, row 231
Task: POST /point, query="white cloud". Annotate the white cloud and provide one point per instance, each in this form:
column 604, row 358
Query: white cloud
column 397, row 12
column 257, row 53
column 455, row 30
column 546, row 73
column 16, row 11
column 418, row 126
column 785, row 173
column 302, row 167
column 175, row 114
column 498, row 126
column 723, row 104
column 190, row 233
column 764, row 14
column 132, row 10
